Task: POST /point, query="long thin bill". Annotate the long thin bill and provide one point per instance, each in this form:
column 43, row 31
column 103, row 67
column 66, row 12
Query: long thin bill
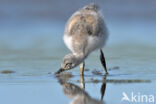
column 59, row 71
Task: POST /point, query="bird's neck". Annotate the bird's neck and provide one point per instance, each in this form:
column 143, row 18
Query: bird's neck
column 80, row 57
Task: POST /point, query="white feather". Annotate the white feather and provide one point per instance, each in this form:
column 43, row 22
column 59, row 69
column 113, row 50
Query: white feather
column 95, row 42
column 68, row 41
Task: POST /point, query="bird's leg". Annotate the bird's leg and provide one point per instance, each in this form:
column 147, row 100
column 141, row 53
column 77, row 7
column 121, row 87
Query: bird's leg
column 82, row 82
column 103, row 87
column 82, row 65
column 103, row 62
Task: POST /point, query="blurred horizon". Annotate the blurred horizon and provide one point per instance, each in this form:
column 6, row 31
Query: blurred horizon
column 58, row 10
column 29, row 24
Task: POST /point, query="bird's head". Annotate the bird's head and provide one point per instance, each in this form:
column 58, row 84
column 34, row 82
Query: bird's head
column 69, row 61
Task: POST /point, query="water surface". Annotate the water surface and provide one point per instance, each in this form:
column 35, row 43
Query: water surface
column 31, row 51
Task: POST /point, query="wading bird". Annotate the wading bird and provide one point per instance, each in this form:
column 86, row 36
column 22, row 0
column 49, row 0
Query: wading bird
column 78, row 94
column 85, row 32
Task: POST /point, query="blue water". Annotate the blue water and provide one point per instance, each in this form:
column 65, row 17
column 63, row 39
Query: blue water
column 31, row 45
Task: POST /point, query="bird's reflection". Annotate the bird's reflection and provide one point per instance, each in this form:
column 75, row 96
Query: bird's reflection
column 78, row 94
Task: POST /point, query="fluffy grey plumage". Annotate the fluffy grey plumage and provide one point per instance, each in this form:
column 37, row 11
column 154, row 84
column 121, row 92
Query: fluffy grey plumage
column 85, row 32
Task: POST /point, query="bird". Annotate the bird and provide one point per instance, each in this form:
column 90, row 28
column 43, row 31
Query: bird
column 85, row 32
column 77, row 93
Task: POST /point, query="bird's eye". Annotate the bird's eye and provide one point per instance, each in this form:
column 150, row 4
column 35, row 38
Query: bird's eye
column 68, row 65
column 87, row 8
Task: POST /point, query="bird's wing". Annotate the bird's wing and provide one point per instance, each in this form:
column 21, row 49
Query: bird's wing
column 72, row 23
column 86, row 24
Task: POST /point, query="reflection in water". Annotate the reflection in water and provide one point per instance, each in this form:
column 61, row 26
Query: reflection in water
column 82, row 81
column 78, row 94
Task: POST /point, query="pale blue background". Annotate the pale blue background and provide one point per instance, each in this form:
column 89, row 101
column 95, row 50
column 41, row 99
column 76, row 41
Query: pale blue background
column 31, row 45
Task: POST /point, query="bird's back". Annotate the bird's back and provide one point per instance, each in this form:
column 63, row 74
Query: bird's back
column 86, row 21
column 85, row 30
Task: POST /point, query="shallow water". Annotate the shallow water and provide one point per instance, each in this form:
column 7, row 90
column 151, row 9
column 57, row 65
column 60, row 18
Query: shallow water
column 31, row 51
column 33, row 80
